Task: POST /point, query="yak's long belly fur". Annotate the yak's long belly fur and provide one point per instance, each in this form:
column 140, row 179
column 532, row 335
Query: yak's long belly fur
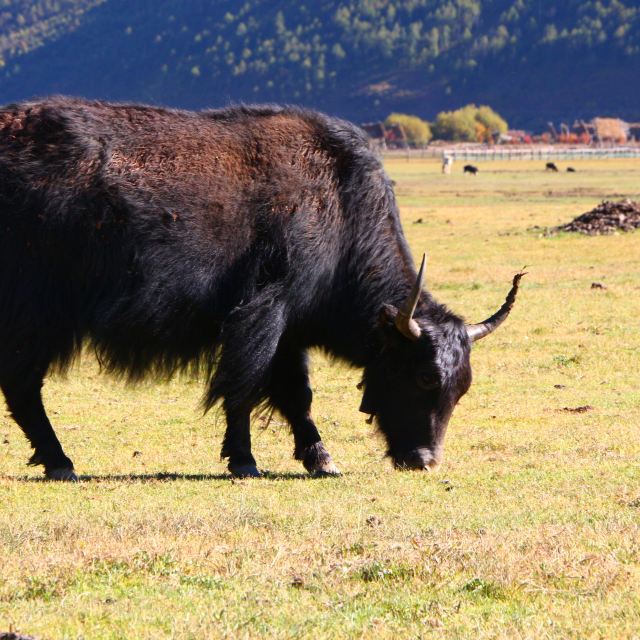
column 143, row 229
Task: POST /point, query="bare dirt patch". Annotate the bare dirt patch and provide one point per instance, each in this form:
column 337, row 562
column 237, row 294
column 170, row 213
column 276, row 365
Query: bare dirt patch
column 583, row 409
column 608, row 217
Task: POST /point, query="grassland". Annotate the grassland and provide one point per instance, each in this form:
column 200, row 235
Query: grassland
column 531, row 529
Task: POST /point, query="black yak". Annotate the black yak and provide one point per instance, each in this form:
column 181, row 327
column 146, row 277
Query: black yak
column 229, row 241
column 469, row 168
column 551, row 166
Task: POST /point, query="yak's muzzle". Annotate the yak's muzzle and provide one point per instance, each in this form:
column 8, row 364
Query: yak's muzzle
column 422, row 459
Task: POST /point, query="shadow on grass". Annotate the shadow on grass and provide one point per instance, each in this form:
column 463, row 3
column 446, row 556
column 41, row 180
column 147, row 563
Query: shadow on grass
column 173, row 477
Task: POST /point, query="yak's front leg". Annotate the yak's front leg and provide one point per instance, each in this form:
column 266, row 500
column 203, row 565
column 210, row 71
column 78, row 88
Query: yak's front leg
column 290, row 393
column 250, row 341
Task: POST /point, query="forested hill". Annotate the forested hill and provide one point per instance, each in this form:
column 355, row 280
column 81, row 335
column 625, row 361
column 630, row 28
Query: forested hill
column 529, row 59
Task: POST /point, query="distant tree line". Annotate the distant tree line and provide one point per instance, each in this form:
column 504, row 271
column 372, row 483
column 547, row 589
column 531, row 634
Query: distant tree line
column 298, row 50
column 467, row 124
column 26, row 25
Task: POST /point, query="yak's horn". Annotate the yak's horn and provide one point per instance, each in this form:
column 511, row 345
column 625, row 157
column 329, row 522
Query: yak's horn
column 479, row 331
column 404, row 321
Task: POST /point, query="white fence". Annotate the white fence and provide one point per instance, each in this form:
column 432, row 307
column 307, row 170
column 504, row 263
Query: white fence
column 529, row 152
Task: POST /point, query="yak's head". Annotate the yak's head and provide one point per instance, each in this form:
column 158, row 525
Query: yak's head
column 422, row 371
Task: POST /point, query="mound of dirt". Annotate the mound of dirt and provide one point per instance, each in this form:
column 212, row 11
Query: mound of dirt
column 608, row 217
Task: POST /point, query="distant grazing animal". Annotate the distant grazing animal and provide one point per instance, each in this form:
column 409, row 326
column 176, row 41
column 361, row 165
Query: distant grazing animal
column 230, row 241
column 551, row 166
column 570, row 170
column 469, row 168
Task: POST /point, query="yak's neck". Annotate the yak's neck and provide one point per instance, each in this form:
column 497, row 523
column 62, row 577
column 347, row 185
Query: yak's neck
column 376, row 268
column 376, row 271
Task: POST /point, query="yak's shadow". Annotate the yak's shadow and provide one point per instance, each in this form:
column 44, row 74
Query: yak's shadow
column 174, row 477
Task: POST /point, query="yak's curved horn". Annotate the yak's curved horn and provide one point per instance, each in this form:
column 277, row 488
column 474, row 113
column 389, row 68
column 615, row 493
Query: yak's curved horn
column 478, row 331
column 404, row 321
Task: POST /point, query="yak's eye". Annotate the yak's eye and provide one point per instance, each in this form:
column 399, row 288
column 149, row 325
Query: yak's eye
column 428, row 381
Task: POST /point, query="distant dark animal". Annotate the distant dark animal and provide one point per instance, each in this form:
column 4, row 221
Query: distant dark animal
column 570, row 170
column 228, row 241
column 469, row 168
column 551, row 166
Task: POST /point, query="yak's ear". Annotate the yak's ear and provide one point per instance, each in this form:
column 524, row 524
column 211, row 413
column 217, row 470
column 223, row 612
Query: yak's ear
column 387, row 315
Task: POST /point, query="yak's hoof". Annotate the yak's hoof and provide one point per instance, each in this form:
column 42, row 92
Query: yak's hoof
column 325, row 469
column 244, row 471
column 317, row 461
column 63, row 474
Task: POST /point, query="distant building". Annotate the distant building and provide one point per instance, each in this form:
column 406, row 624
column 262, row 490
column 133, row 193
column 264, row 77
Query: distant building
column 396, row 137
column 515, row 136
column 583, row 129
column 612, row 130
column 634, row 131
column 376, row 131
column 386, row 136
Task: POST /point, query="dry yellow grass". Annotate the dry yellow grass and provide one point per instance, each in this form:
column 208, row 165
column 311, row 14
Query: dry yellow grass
column 530, row 530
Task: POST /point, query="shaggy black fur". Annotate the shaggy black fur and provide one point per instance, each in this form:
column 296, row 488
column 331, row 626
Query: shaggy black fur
column 227, row 241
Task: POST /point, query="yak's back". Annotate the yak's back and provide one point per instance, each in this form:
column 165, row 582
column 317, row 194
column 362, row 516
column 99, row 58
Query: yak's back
column 235, row 137
column 67, row 146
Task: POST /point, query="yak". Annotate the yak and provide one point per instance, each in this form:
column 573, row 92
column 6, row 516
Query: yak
column 469, row 168
column 227, row 241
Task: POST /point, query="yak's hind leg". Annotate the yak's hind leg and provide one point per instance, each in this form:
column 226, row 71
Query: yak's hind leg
column 237, row 444
column 24, row 399
column 290, row 393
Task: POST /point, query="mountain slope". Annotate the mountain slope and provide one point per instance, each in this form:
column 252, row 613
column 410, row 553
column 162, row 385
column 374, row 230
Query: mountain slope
column 358, row 58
